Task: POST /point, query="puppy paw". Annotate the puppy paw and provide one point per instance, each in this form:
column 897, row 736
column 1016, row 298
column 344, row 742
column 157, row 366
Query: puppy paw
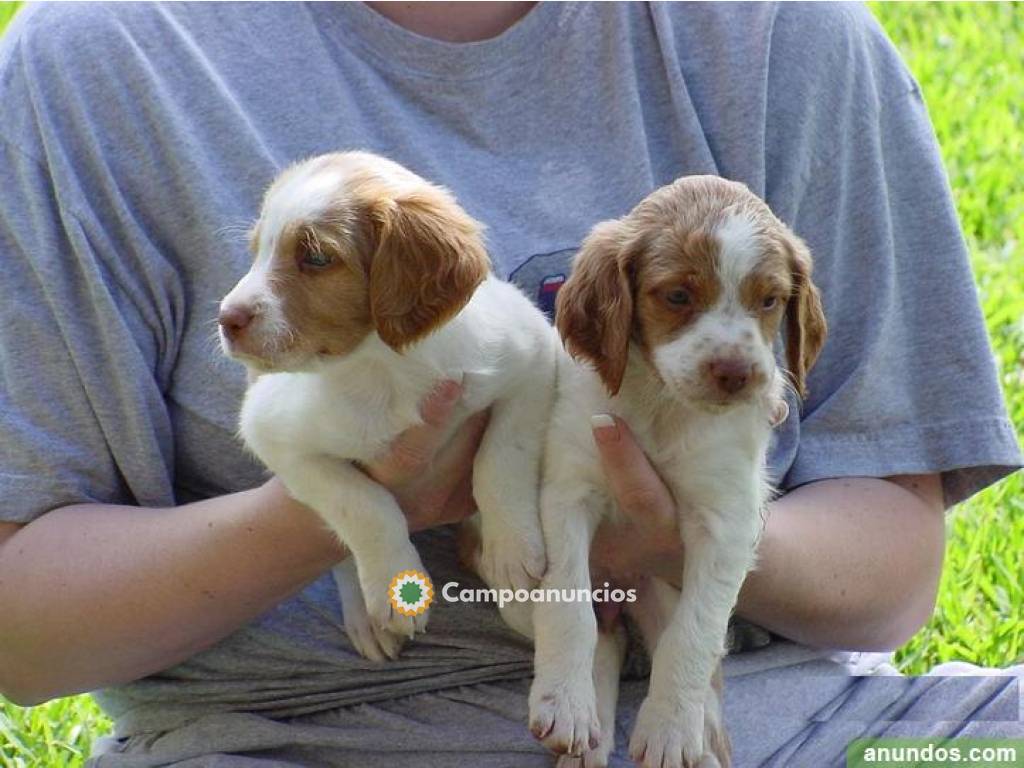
column 591, row 758
column 669, row 737
column 377, row 585
column 510, row 558
column 563, row 716
column 369, row 640
column 372, row 642
column 387, row 620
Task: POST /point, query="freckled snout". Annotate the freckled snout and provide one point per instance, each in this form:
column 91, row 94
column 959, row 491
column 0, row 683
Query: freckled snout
column 234, row 319
column 730, row 375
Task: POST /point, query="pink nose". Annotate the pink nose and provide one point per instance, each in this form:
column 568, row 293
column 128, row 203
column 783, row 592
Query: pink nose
column 234, row 320
column 730, row 374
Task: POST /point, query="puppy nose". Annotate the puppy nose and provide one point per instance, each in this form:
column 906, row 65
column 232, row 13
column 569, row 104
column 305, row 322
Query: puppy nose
column 730, row 374
column 234, row 320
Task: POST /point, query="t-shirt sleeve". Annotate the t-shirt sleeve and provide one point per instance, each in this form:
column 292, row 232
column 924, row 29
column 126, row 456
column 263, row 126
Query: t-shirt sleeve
column 907, row 382
column 82, row 417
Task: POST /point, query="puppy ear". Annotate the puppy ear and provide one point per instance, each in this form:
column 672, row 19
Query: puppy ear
column 428, row 261
column 805, row 319
column 594, row 309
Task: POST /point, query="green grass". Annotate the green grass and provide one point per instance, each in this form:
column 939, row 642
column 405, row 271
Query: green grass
column 6, row 12
column 55, row 735
column 967, row 59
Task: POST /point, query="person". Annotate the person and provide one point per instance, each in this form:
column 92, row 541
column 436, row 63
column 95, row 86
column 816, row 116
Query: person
column 146, row 557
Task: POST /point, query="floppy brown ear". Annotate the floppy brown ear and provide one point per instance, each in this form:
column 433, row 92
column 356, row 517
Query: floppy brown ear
column 805, row 319
column 428, row 261
column 594, row 309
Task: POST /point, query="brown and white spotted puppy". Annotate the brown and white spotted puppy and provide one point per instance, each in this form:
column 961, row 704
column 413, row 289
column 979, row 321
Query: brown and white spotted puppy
column 370, row 286
column 671, row 314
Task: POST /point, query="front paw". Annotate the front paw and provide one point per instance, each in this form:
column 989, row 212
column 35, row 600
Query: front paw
column 371, row 641
column 396, row 603
column 563, row 716
column 668, row 736
column 591, row 758
column 511, row 558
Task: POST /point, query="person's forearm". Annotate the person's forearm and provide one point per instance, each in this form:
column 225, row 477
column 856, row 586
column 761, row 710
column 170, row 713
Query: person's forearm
column 849, row 563
column 96, row 595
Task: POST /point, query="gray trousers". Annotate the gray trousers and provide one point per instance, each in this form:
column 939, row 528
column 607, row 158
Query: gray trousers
column 784, row 707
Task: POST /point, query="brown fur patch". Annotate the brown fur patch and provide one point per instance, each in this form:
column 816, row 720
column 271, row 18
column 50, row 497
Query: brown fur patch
column 326, row 309
column 806, row 327
column 622, row 277
column 594, row 309
column 404, row 258
column 685, row 261
column 769, row 279
column 626, row 267
column 430, row 258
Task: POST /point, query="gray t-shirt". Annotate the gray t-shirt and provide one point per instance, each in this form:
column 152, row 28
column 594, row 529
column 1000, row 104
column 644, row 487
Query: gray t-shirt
column 136, row 140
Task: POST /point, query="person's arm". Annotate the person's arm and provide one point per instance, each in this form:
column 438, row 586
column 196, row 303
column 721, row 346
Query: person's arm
column 848, row 563
column 94, row 595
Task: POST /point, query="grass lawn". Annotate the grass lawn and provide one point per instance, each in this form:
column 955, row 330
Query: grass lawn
column 967, row 59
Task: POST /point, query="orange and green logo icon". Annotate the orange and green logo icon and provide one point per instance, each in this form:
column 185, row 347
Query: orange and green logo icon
column 411, row 593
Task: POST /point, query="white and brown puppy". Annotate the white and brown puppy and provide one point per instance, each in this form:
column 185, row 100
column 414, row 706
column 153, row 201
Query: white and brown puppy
column 674, row 310
column 369, row 287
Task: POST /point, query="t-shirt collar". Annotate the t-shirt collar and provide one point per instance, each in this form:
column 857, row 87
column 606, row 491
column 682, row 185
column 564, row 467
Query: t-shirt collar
column 396, row 47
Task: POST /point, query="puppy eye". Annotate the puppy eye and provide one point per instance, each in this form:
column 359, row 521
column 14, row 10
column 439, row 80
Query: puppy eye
column 770, row 302
column 680, row 297
column 316, row 259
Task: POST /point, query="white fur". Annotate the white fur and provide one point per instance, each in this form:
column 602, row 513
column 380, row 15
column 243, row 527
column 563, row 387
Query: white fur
column 303, row 192
column 712, row 458
column 727, row 329
column 308, row 427
column 308, row 189
column 740, row 248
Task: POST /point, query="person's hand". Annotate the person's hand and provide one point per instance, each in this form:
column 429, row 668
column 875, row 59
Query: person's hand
column 646, row 541
column 433, row 480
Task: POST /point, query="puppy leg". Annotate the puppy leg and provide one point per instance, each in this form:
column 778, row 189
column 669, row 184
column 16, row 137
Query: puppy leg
column 563, row 710
column 366, row 517
column 517, row 615
column 655, row 604
column 656, row 601
column 506, row 479
column 717, row 749
column 372, row 642
column 670, row 727
column 608, row 656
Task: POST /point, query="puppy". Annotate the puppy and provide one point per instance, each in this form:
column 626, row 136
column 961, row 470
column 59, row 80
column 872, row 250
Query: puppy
column 369, row 287
column 672, row 311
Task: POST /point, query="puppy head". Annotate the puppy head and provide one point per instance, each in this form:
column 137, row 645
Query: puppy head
column 346, row 245
column 699, row 278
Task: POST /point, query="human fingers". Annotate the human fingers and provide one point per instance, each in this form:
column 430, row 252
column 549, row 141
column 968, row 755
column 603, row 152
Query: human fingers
column 413, row 450
column 639, row 490
column 444, row 493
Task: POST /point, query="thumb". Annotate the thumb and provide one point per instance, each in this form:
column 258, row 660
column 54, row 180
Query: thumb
column 639, row 491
